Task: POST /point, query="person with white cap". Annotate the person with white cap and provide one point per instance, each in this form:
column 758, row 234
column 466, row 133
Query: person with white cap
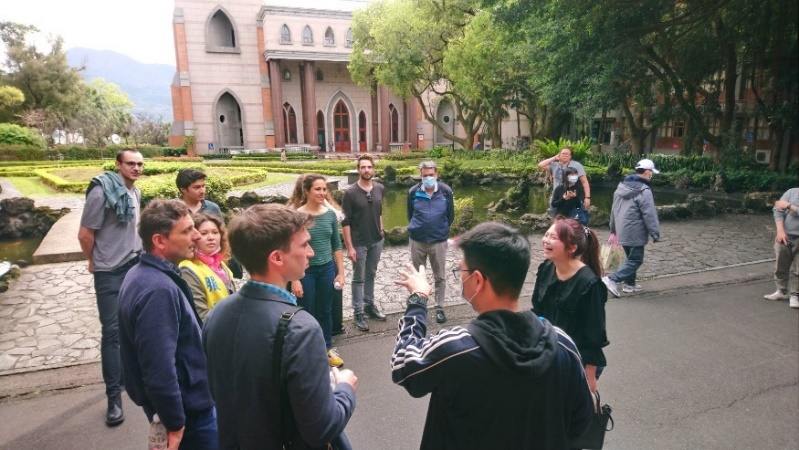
column 633, row 219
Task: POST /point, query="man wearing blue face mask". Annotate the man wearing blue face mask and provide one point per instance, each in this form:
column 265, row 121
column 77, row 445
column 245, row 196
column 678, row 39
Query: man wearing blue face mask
column 430, row 213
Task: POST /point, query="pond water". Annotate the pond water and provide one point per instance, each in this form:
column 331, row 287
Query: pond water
column 24, row 248
column 395, row 201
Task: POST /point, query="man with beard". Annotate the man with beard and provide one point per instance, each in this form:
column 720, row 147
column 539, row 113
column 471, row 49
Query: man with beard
column 363, row 235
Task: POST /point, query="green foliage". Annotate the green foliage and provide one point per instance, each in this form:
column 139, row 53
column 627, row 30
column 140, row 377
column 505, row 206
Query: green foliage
column 402, row 156
column 72, row 152
column 58, row 183
column 464, row 216
column 275, row 157
column 548, row 148
column 216, row 189
column 664, row 163
column 11, row 134
column 11, row 100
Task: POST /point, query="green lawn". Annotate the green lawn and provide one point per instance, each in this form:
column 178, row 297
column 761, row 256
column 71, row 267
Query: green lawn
column 32, row 187
column 271, row 180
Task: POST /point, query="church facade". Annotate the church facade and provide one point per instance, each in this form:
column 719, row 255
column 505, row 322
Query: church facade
column 257, row 75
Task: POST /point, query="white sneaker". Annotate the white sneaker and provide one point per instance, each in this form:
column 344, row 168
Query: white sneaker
column 611, row 285
column 794, row 301
column 777, row 295
column 630, row 289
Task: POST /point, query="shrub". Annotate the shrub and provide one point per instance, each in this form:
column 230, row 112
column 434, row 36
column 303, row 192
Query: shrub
column 178, row 159
column 275, row 156
column 216, row 189
column 11, row 134
column 581, row 150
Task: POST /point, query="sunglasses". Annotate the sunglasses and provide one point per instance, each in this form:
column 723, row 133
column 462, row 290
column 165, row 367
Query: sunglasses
column 369, row 197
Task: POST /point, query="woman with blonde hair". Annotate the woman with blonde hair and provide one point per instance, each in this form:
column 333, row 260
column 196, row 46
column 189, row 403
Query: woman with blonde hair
column 207, row 274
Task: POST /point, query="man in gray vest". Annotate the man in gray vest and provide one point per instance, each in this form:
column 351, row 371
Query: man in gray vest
column 109, row 239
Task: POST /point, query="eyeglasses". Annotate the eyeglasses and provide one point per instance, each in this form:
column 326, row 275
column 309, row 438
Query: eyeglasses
column 132, row 164
column 456, row 272
column 369, row 197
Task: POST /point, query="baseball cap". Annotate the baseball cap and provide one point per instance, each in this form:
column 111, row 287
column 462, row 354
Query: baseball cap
column 647, row 164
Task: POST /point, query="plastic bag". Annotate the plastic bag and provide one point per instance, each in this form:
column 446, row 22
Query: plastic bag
column 611, row 255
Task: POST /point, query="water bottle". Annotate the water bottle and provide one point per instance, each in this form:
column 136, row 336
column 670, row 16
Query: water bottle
column 156, row 440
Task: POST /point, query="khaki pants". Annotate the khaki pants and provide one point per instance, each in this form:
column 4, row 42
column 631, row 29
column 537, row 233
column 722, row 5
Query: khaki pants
column 787, row 255
column 437, row 252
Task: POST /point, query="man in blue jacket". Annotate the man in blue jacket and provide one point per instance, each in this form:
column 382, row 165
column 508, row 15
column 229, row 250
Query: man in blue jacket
column 160, row 343
column 431, row 213
column 633, row 219
column 240, row 334
column 507, row 380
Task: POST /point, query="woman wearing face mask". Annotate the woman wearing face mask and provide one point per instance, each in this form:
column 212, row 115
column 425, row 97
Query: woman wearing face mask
column 569, row 293
column 326, row 272
column 568, row 195
column 207, row 275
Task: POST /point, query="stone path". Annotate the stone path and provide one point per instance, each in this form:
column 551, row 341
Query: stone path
column 48, row 317
column 10, row 191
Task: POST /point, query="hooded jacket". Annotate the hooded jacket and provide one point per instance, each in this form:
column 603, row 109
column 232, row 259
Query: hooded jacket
column 633, row 216
column 508, row 380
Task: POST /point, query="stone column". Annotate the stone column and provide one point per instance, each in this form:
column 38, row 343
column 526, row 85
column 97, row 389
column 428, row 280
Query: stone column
column 385, row 120
column 411, row 120
column 309, row 103
column 276, row 82
column 374, row 116
column 266, row 90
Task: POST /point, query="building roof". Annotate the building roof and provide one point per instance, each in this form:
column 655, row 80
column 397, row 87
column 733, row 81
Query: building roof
column 334, row 5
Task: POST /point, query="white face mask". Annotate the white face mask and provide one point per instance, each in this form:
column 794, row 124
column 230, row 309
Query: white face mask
column 573, row 179
column 467, row 300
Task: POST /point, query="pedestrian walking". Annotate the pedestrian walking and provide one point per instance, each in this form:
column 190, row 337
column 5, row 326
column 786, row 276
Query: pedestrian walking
column 109, row 240
column 363, row 235
column 506, row 356
column 293, row 400
column 570, row 294
column 160, row 345
column 431, row 211
column 786, row 247
column 634, row 220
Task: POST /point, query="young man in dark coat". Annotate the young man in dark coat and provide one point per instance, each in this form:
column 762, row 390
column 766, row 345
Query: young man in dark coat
column 507, row 380
column 272, row 242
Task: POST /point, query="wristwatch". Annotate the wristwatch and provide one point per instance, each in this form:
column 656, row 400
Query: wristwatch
column 417, row 298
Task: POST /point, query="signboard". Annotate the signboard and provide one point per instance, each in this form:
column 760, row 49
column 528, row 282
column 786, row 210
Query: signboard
column 750, row 136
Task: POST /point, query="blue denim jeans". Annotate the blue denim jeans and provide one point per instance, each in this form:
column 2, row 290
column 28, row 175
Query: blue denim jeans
column 317, row 297
column 364, row 270
column 201, row 432
column 628, row 271
column 106, row 287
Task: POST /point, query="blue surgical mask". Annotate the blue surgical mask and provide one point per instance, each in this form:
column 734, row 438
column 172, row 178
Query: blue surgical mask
column 573, row 178
column 428, row 182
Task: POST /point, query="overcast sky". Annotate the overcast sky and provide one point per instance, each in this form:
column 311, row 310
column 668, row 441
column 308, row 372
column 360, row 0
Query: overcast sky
column 141, row 29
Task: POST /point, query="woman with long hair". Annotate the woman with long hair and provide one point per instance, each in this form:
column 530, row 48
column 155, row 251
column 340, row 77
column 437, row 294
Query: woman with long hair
column 569, row 291
column 316, row 290
column 207, row 274
column 568, row 195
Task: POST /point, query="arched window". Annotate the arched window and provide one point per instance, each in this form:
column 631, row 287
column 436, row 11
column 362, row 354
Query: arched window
column 320, row 129
column 319, row 75
column 392, row 111
column 307, row 35
column 285, row 34
column 286, row 75
column 348, row 41
column 362, row 131
column 290, row 120
column 220, row 33
column 330, row 39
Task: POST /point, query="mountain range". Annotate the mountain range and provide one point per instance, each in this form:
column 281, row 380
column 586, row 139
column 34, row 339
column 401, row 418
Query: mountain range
column 147, row 85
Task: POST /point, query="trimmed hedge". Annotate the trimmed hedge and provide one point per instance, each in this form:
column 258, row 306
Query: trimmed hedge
column 78, row 152
column 275, row 156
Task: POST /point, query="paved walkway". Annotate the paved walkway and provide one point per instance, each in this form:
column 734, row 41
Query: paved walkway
column 48, row 317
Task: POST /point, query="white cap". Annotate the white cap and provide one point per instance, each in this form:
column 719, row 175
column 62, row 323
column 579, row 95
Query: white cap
column 647, row 164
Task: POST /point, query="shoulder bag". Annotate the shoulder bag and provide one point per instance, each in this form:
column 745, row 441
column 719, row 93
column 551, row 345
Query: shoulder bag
column 594, row 436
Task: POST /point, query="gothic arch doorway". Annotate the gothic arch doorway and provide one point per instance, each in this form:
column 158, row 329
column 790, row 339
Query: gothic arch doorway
column 362, row 131
column 290, row 122
column 320, row 130
column 229, row 130
column 341, row 127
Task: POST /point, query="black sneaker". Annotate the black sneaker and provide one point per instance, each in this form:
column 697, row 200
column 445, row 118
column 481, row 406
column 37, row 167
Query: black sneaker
column 360, row 323
column 341, row 330
column 374, row 313
column 440, row 316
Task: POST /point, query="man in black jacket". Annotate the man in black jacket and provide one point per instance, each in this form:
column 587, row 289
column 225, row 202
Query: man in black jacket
column 508, row 380
column 272, row 242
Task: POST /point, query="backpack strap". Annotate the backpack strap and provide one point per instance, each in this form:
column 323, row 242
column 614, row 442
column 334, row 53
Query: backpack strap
column 284, row 407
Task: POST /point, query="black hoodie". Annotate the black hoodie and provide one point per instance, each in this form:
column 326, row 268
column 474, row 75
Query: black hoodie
column 509, row 380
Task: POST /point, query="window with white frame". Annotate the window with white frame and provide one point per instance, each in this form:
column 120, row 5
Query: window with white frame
column 307, row 35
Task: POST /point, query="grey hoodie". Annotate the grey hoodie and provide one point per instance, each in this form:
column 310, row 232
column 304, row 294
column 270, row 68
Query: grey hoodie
column 633, row 217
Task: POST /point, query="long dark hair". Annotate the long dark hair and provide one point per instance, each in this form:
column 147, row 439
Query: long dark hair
column 566, row 172
column 573, row 233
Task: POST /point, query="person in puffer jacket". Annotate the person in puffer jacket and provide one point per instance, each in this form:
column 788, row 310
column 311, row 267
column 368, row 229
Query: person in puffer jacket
column 633, row 219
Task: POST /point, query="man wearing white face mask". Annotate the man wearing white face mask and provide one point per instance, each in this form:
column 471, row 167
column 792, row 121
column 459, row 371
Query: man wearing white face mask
column 430, row 213
column 507, row 380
